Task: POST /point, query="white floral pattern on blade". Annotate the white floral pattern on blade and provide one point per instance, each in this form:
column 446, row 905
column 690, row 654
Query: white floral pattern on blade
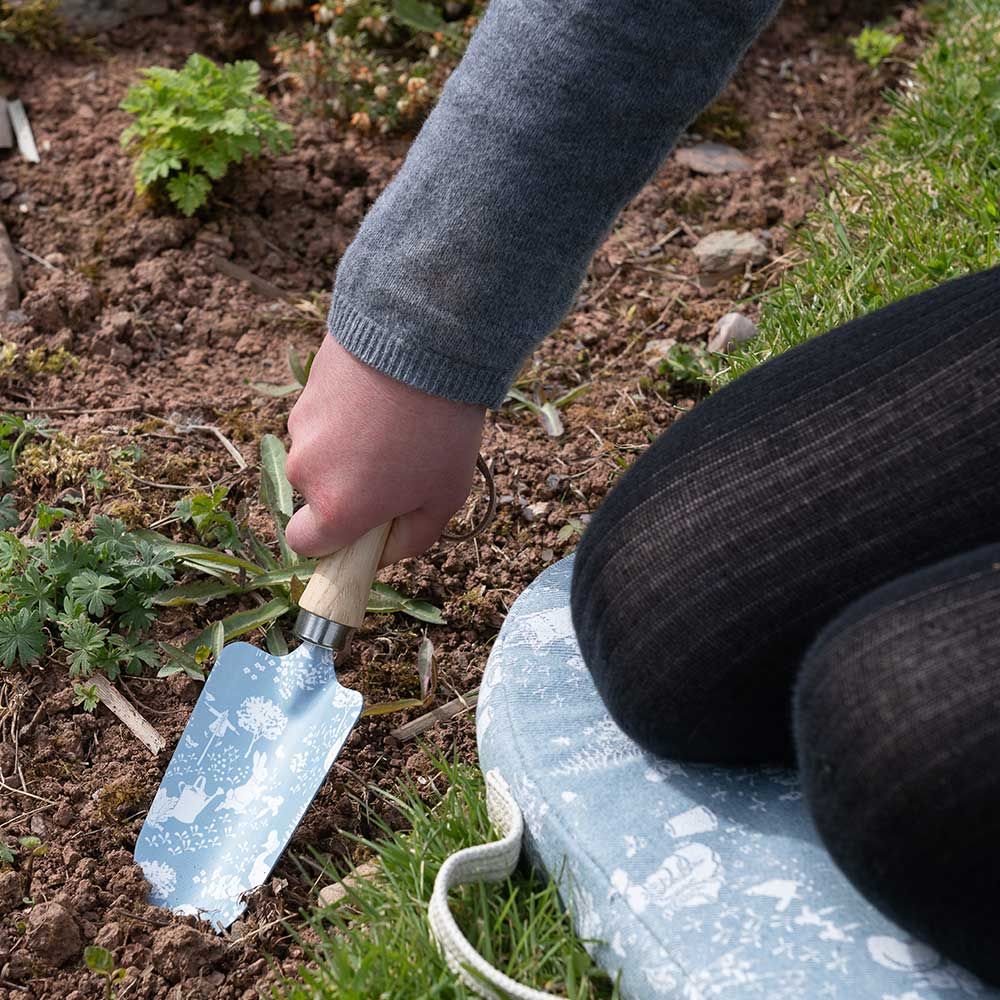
column 161, row 878
column 262, row 719
column 302, row 670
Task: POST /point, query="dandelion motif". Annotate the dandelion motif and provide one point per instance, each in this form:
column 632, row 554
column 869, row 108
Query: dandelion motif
column 218, row 729
column 262, row 718
column 161, row 877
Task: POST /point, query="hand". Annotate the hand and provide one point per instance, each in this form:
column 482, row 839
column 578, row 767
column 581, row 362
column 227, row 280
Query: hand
column 367, row 449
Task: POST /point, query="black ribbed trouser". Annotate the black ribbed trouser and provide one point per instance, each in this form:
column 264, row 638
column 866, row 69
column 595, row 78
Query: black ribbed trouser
column 808, row 566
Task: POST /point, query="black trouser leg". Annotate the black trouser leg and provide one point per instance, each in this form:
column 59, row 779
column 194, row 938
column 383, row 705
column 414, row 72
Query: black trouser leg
column 842, row 464
column 897, row 724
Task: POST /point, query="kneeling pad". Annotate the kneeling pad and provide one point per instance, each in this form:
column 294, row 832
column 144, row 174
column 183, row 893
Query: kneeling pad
column 690, row 881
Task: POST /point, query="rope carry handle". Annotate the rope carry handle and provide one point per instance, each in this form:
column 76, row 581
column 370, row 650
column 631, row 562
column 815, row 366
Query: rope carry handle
column 492, row 862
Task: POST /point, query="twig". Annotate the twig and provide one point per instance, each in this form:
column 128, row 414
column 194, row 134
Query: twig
column 34, row 256
column 447, row 711
column 162, row 486
column 184, row 428
column 23, row 816
column 30, row 795
column 266, row 288
column 125, row 710
column 600, row 295
column 73, row 409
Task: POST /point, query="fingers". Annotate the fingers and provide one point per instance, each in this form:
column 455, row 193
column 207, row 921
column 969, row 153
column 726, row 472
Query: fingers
column 316, row 530
column 412, row 534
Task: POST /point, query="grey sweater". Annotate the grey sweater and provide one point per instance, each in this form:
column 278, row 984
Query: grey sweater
column 556, row 116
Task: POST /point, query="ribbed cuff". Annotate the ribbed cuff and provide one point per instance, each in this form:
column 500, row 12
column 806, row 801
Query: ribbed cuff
column 407, row 361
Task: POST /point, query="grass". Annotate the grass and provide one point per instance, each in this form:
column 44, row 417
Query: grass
column 919, row 205
column 375, row 942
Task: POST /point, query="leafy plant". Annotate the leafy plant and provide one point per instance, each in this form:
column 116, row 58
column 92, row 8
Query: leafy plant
column 377, row 64
column 238, row 563
column 874, row 45
column 688, row 364
column 193, row 124
column 89, row 599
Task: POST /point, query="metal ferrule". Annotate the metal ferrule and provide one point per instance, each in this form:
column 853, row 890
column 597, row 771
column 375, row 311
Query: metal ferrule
column 320, row 631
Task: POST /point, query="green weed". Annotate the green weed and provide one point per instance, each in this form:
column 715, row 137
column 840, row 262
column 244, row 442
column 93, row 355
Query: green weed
column 874, row 46
column 193, row 124
column 101, row 962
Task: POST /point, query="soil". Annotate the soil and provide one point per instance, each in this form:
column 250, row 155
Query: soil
column 161, row 336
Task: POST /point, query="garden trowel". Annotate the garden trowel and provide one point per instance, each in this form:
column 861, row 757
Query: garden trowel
column 258, row 745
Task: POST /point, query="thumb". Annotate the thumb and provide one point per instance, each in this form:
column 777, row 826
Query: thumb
column 315, row 533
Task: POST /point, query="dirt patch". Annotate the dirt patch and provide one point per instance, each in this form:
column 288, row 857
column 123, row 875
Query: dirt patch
column 137, row 296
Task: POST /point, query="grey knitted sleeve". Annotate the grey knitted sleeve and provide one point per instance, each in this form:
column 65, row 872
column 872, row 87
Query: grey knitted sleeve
column 558, row 113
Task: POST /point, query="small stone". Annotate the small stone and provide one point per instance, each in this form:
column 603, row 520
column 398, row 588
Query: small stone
column 535, row 511
column 10, row 273
column 728, row 252
column 7, row 190
column 713, row 158
column 733, row 328
column 52, row 935
column 55, row 259
column 63, row 815
column 657, row 351
column 11, row 891
column 38, row 826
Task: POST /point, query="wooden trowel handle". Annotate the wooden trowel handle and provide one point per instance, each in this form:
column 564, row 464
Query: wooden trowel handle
column 339, row 587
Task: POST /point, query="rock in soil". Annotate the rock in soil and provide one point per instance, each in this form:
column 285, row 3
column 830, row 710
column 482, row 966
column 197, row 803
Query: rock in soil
column 656, row 351
column 10, row 273
column 53, row 936
column 18, row 969
column 713, row 158
column 733, row 328
column 727, row 252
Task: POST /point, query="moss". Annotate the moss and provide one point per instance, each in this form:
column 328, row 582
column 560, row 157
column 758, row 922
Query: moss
column 117, row 800
column 41, row 359
column 722, row 121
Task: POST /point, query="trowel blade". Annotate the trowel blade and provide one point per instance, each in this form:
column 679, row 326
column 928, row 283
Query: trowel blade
column 259, row 744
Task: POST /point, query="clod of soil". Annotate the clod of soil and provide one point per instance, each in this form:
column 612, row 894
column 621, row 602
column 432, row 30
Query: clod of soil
column 181, row 952
column 53, row 936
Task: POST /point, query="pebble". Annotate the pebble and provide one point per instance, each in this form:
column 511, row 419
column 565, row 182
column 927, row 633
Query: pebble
column 733, row 328
column 10, row 273
column 535, row 511
column 52, row 935
column 727, row 252
column 656, row 351
column 713, row 158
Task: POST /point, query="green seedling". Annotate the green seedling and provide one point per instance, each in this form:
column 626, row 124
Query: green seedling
column 101, row 962
column 574, row 526
column 15, row 432
column 192, row 125
column 874, row 45
column 86, row 696
column 688, row 364
column 546, row 410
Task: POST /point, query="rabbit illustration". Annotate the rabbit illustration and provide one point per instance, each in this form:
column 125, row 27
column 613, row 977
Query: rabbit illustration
column 242, row 797
column 264, row 861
